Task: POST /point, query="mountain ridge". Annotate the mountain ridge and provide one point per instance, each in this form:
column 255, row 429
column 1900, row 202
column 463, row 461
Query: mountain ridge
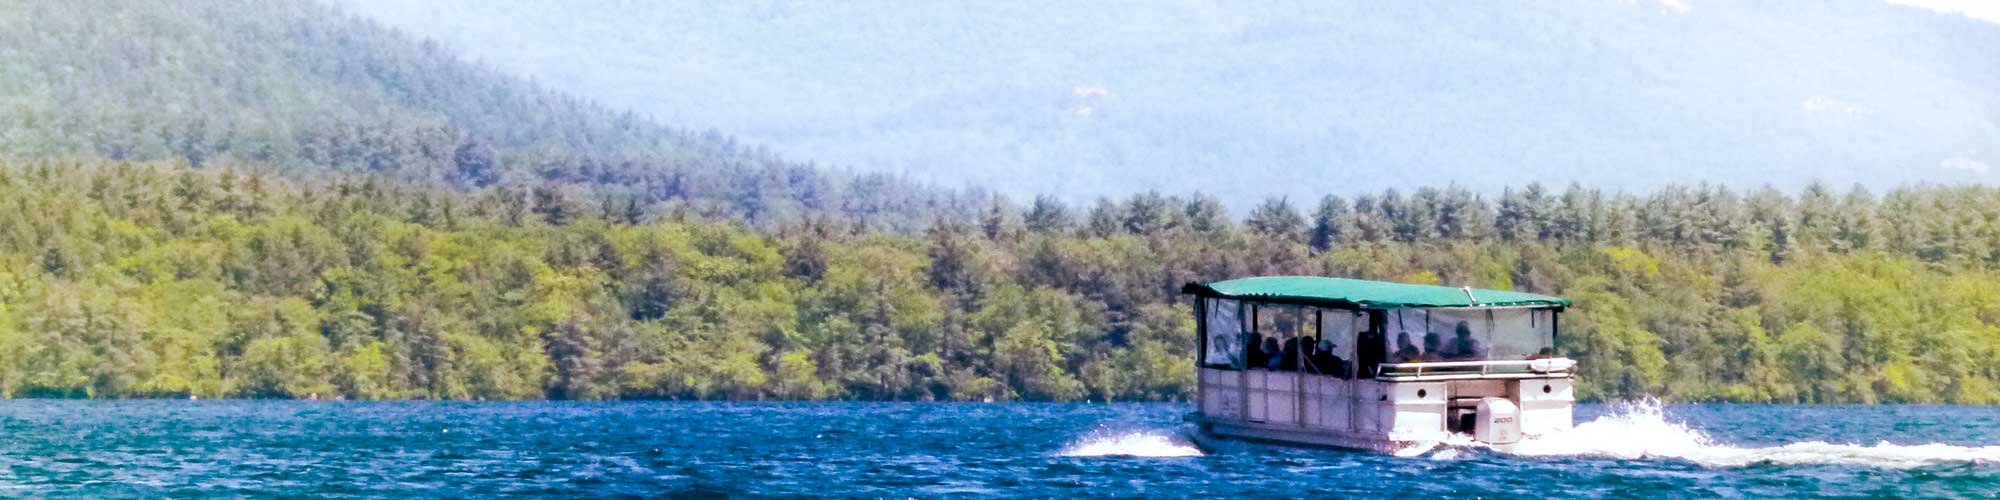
column 303, row 88
column 1112, row 99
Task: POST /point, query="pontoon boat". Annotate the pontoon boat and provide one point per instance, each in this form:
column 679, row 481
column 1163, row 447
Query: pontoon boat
column 1376, row 365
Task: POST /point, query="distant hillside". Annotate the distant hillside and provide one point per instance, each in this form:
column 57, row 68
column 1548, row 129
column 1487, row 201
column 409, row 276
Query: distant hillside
column 1290, row 97
column 302, row 87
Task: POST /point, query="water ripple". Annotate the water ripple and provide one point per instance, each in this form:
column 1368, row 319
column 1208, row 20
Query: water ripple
column 773, row 450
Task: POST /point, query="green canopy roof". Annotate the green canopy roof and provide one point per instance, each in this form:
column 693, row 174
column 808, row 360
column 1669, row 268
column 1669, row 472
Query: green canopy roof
column 1345, row 293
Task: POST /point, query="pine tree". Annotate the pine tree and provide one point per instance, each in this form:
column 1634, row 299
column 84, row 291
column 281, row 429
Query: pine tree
column 1278, row 220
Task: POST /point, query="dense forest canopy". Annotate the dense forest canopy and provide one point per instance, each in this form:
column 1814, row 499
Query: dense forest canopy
column 124, row 280
column 299, row 87
column 247, row 198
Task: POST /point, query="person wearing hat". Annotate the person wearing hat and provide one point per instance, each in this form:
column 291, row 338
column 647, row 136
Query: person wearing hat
column 1324, row 361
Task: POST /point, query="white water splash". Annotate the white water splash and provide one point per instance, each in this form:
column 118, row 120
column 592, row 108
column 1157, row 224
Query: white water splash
column 1133, row 444
column 1641, row 431
column 1446, row 449
column 1415, row 449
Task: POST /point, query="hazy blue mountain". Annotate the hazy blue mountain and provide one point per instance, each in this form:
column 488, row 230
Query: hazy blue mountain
column 301, row 87
column 1287, row 97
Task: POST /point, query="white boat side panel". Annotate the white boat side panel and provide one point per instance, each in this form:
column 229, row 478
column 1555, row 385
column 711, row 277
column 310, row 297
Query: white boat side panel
column 1415, row 411
column 1289, row 434
column 1327, row 402
column 1313, row 409
column 1367, row 406
column 1338, row 414
column 1280, row 394
column 1219, row 396
column 1291, row 406
column 1412, row 392
column 1546, row 405
column 1544, row 389
column 1260, row 408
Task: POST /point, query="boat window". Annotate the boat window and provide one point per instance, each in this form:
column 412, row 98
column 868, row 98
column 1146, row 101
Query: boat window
column 1280, row 328
column 1404, row 334
column 1507, row 334
column 1536, row 335
column 1467, row 334
column 1369, row 350
column 1337, row 328
column 1224, row 325
column 1470, row 334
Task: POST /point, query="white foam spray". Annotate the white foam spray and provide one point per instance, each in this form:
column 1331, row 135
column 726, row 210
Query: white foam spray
column 1445, row 450
column 1131, row 444
column 1640, row 430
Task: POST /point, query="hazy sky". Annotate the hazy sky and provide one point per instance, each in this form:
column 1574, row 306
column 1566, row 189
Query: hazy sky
column 1284, row 97
column 1987, row 10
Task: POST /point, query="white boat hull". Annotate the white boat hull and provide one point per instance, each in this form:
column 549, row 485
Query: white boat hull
column 1376, row 415
column 1209, row 434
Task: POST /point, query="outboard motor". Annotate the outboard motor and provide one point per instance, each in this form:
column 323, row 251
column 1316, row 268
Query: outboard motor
column 1499, row 421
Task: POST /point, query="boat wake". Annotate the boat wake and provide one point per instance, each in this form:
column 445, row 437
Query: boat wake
column 1131, row 444
column 1635, row 431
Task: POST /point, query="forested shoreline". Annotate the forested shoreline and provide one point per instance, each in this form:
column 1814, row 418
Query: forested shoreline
column 256, row 198
column 158, row 280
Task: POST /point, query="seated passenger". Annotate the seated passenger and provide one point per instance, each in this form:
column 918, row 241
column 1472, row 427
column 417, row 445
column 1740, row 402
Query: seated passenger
column 1325, row 361
column 1271, row 354
column 1545, row 353
column 1289, row 356
column 1432, row 349
column 1371, row 349
column 1406, row 352
column 1257, row 359
column 1462, row 346
column 1308, row 346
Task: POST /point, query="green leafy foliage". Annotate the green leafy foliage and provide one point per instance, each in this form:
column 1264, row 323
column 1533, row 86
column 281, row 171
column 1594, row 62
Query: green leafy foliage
column 145, row 280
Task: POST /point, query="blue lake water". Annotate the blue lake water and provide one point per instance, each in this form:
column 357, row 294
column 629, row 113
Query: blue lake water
column 645, row 449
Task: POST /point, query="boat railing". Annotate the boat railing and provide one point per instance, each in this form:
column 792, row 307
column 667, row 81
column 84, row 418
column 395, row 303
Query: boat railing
column 1450, row 370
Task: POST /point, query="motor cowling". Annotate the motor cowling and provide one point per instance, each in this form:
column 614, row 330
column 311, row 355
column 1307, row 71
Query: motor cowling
column 1498, row 421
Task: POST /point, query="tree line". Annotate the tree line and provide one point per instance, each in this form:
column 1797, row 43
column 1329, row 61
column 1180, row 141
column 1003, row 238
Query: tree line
column 161, row 280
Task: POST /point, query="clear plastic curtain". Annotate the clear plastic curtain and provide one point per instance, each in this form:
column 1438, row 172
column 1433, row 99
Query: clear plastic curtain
column 1225, row 333
column 1504, row 333
column 1343, row 329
